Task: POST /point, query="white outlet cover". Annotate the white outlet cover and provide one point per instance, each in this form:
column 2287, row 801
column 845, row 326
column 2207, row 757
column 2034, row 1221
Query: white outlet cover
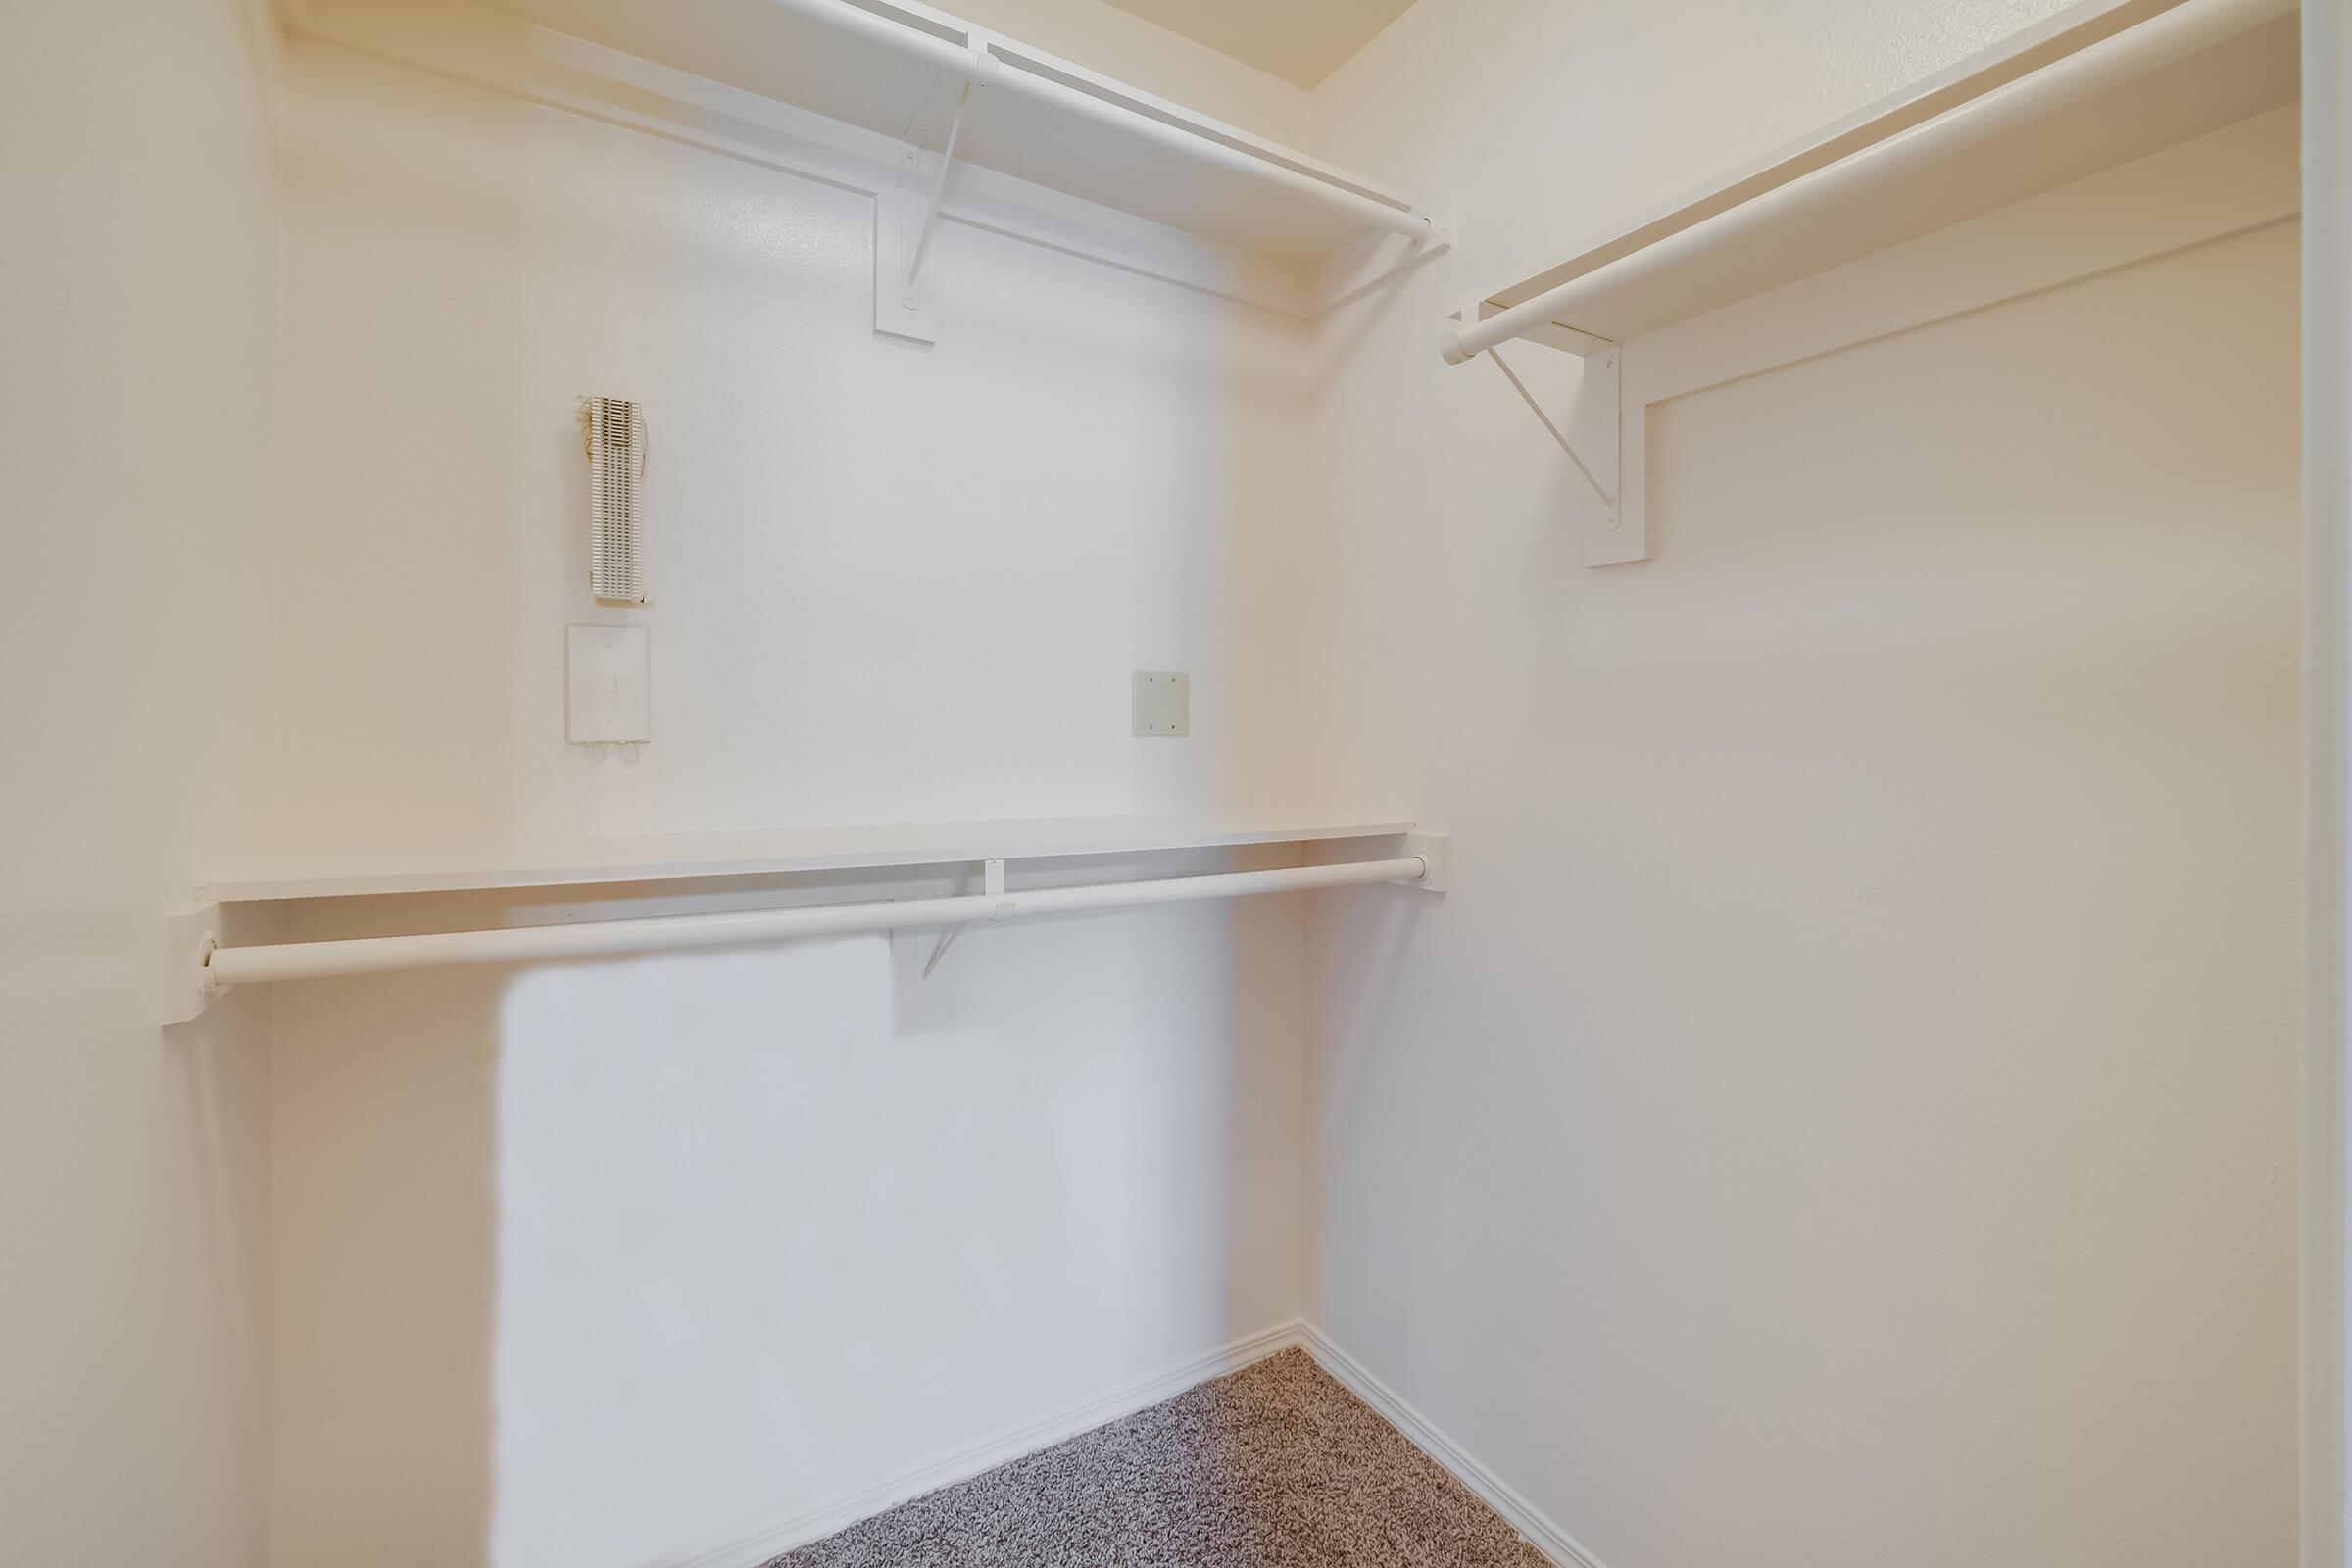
column 1164, row 703
column 612, row 683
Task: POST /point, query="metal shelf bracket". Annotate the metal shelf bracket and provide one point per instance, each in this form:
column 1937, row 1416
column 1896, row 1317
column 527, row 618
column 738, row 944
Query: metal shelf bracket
column 992, row 885
column 907, row 212
column 939, row 188
column 1602, row 438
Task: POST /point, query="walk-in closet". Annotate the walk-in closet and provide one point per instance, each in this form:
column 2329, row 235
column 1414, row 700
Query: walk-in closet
column 1174, row 783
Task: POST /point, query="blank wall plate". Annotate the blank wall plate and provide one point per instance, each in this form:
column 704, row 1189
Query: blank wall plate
column 612, row 683
column 1163, row 702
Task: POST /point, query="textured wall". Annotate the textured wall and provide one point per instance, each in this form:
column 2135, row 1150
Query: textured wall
column 604, row 1263
column 132, row 1160
column 1845, row 1113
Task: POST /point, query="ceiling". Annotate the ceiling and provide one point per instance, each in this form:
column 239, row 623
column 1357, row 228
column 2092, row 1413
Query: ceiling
column 1302, row 41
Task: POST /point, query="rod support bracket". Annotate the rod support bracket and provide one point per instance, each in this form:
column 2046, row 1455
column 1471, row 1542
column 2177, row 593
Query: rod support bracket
column 929, row 222
column 1602, row 435
column 1445, row 218
column 992, row 885
column 939, row 949
column 185, row 938
column 1429, row 849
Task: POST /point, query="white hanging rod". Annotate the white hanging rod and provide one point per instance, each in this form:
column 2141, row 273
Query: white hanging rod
column 308, row 960
column 1909, row 152
column 974, row 58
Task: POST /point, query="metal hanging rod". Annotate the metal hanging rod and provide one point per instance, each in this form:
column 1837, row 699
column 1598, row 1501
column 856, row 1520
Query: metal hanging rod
column 1840, row 188
column 308, row 960
column 980, row 60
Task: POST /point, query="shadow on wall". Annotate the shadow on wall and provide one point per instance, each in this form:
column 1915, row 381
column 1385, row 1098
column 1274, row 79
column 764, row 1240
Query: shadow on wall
column 614, row 1263
column 733, row 1203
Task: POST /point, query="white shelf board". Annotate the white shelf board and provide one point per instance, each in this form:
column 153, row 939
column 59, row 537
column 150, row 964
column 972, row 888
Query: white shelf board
column 341, row 870
column 784, row 53
column 2093, row 86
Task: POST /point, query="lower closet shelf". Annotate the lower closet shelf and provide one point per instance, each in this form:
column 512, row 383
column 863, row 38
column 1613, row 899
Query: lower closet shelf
column 444, row 865
column 202, row 957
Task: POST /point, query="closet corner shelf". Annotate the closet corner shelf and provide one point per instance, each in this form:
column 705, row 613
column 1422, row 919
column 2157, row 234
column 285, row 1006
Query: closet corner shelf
column 341, row 870
column 2096, row 85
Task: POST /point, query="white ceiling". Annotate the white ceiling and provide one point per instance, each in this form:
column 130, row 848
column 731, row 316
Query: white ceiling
column 1299, row 40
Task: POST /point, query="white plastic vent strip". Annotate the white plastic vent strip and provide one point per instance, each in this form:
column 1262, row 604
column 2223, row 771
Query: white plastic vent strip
column 312, row 960
column 616, row 467
column 973, row 57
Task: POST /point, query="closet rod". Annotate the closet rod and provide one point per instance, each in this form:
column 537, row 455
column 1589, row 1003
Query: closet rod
column 308, row 960
column 1905, row 155
column 990, row 64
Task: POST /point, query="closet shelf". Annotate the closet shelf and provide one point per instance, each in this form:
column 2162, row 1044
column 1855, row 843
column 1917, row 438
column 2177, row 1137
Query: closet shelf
column 2095, row 86
column 902, row 69
column 340, row 871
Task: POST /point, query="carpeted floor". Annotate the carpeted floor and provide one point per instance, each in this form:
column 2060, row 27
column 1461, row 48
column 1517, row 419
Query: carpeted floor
column 1274, row 1466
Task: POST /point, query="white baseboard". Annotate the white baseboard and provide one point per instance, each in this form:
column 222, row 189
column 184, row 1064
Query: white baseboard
column 814, row 1523
column 1520, row 1514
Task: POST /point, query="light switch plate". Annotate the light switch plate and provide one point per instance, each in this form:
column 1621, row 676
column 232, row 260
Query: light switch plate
column 612, row 683
column 1163, row 702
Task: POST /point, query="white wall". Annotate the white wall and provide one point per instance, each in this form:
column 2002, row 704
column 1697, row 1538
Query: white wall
column 604, row 1263
column 1845, row 1111
column 1829, row 1134
column 132, row 1160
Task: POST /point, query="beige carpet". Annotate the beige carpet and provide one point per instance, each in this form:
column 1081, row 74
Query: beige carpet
column 1274, row 1466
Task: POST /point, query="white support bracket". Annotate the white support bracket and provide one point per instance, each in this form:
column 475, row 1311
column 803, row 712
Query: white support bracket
column 1431, row 847
column 185, row 938
column 899, row 308
column 992, row 885
column 1604, row 438
column 939, row 188
column 906, row 212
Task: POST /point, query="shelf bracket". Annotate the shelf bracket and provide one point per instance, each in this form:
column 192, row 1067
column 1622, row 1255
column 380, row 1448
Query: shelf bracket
column 939, row 949
column 1602, row 437
column 899, row 308
column 992, row 885
column 1600, row 490
column 939, row 188
column 907, row 209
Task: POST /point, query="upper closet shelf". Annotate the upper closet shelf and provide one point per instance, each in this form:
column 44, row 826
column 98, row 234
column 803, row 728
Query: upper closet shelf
column 2095, row 86
column 927, row 79
column 335, row 870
